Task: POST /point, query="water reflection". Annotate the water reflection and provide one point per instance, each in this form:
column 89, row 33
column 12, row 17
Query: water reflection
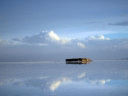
column 56, row 84
column 77, row 62
column 60, row 79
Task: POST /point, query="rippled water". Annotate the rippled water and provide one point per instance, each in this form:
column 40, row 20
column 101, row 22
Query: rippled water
column 98, row 78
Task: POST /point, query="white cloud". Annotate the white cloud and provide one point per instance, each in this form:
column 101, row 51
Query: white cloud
column 43, row 39
column 54, row 36
column 100, row 37
column 81, row 45
column 97, row 47
column 85, row 34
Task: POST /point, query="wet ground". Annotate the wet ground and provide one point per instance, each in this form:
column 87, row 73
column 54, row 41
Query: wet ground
column 97, row 78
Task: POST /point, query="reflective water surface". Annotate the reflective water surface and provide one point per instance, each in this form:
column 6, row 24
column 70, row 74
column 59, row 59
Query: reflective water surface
column 98, row 78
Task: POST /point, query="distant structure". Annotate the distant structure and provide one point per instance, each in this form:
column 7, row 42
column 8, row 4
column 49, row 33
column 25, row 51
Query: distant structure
column 78, row 61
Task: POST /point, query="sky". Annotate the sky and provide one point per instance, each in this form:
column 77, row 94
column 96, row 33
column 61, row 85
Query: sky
column 63, row 28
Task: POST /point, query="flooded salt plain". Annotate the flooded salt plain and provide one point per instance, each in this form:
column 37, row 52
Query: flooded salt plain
column 98, row 78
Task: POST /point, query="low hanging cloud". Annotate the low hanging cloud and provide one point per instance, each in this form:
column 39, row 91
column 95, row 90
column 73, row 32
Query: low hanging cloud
column 47, row 38
column 101, row 37
column 50, row 44
column 43, row 39
column 51, row 38
column 54, row 36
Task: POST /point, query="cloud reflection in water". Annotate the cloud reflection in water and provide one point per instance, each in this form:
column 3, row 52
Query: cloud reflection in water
column 97, row 78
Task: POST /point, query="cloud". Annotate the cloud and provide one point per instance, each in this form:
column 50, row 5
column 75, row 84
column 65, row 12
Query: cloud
column 42, row 39
column 101, row 37
column 85, row 34
column 122, row 23
column 54, row 36
column 50, row 46
column 81, row 45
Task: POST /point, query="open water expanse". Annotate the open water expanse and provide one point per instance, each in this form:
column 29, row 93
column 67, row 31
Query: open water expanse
column 98, row 78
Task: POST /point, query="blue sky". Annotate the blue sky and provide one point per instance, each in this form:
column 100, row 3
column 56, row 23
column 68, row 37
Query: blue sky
column 48, row 28
column 66, row 17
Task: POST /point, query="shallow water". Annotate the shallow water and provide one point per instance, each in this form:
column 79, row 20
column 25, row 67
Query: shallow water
column 98, row 78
